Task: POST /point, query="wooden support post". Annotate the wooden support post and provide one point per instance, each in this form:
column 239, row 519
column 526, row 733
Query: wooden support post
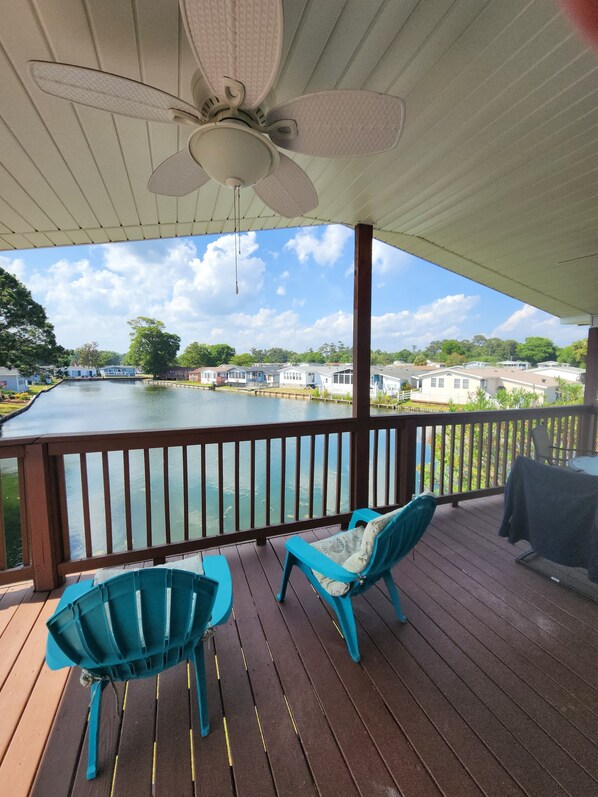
column 590, row 396
column 42, row 516
column 362, row 334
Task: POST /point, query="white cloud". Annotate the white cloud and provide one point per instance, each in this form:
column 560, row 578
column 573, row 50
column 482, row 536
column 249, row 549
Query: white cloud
column 15, row 266
column 325, row 249
column 528, row 321
column 86, row 300
column 440, row 319
column 388, row 259
column 281, row 290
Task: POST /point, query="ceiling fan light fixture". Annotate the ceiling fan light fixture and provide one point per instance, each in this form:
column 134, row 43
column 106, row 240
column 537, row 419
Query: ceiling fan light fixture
column 232, row 153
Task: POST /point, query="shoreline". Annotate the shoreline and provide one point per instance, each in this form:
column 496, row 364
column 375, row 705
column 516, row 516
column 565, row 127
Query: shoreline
column 32, row 400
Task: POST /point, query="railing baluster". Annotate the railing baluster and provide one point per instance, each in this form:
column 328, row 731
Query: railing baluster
column 480, row 449
column 387, row 467
column 489, row 453
column 166, row 487
column 325, row 476
column 470, row 457
column 297, row 476
column 252, row 484
column 441, row 465
column 85, row 500
column 3, row 557
column 268, row 477
column 204, row 498
column 107, row 502
column 312, row 461
column 461, row 457
column 339, row 471
column 452, row 458
column 374, row 495
column 236, row 496
column 422, row 460
column 220, row 490
column 23, row 513
column 432, row 458
column 283, row 477
column 185, row 464
column 127, row 500
column 148, row 497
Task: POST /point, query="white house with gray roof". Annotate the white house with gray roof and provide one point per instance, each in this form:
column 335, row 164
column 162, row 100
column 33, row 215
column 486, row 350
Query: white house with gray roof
column 560, row 371
column 11, row 379
column 459, row 384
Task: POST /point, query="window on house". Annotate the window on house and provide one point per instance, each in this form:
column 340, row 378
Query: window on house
column 440, row 381
column 465, row 384
column 433, row 382
column 457, row 384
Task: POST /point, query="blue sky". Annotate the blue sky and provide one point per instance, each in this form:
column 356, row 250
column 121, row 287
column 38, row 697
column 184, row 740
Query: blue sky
column 295, row 291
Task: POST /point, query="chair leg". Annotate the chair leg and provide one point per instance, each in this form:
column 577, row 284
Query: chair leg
column 288, row 566
column 199, row 663
column 97, row 689
column 344, row 611
column 394, row 596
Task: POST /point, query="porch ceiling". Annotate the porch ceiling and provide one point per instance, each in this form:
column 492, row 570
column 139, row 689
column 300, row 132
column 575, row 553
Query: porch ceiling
column 494, row 176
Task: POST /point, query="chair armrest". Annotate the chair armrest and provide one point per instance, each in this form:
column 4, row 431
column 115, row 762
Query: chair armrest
column 317, row 560
column 364, row 515
column 216, row 568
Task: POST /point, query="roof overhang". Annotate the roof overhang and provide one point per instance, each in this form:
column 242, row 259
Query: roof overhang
column 494, row 176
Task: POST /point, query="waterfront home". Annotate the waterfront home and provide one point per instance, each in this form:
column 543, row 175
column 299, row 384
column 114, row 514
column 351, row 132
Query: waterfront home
column 560, row 371
column 117, row 370
column 80, row 372
column 459, row 384
column 312, row 375
column 195, row 374
column 216, row 374
column 516, row 365
column 11, row 379
column 176, row 372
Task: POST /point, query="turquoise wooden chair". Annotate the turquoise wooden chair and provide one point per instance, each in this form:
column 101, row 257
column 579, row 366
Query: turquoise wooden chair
column 349, row 563
column 136, row 625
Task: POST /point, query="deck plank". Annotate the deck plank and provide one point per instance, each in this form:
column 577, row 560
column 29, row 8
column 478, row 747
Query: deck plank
column 402, row 760
column 290, row 770
column 329, row 768
column 485, row 691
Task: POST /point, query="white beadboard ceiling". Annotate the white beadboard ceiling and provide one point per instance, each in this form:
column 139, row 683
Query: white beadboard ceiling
column 495, row 175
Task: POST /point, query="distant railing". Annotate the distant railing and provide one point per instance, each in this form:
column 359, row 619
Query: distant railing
column 70, row 502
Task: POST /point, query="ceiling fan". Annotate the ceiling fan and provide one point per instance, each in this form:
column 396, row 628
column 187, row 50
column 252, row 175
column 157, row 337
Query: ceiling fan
column 235, row 138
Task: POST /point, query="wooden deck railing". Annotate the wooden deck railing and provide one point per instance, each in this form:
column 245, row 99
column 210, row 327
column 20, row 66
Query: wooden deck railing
column 75, row 501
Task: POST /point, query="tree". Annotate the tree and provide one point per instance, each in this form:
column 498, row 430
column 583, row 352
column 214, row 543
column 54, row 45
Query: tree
column 244, row 360
column 221, row 353
column 151, row 347
column 109, row 358
column 575, row 353
column 27, row 338
column 455, row 359
column 88, row 355
column 309, row 356
column 535, row 350
column 196, row 355
column 420, row 359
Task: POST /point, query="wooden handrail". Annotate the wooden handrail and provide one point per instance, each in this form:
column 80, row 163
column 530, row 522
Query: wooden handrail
column 108, row 497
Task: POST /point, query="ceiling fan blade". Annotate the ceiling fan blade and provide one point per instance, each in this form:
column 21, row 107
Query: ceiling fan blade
column 340, row 123
column 239, row 39
column 177, row 176
column 288, row 191
column 109, row 92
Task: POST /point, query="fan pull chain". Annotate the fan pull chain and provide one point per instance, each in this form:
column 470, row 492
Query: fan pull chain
column 237, row 224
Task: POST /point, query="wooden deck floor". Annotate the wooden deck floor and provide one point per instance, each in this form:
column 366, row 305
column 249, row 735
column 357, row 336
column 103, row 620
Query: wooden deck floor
column 490, row 688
